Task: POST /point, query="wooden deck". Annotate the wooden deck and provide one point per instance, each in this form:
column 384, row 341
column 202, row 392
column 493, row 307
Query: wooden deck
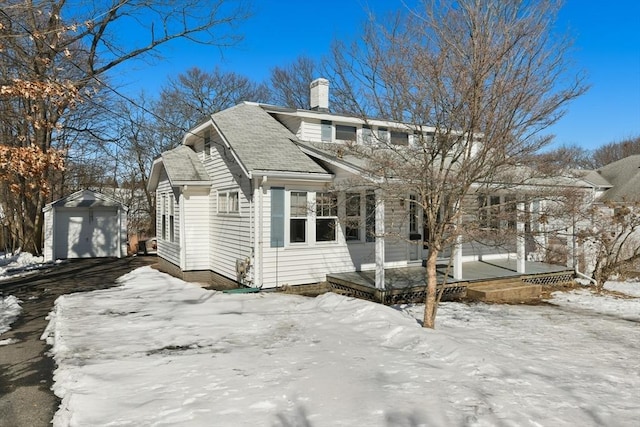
column 404, row 285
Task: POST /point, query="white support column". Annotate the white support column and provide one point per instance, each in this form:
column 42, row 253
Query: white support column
column 457, row 259
column 520, row 242
column 379, row 242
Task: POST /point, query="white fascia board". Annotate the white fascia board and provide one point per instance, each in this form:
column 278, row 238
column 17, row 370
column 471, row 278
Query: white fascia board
column 199, row 128
column 191, row 183
column 154, row 176
column 301, row 176
column 320, row 115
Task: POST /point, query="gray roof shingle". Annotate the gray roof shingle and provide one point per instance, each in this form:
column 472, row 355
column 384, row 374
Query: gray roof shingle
column 261, row 142
column 183, row 165
column 625, row 177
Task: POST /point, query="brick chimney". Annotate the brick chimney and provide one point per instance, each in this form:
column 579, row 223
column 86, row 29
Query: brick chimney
column 319, row 94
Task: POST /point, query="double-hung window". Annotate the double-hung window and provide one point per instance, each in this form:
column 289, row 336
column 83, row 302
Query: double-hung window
column 326, row 217
column 370, row 215
column 367, row 135
column 489, row 213
column 172, row 236
column 399, row 138
column 413, row 214
column 298, row 217
column 228, row 202
column 354, row 218
column 345, row 133
column 383, row 135
column 163, row 216
column 326, row 131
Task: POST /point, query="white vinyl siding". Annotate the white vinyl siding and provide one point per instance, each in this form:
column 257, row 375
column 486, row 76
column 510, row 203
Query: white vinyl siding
column 166, row 249
column 310, row 131
column 229, row 233
column 297, row 264
column 195, row 209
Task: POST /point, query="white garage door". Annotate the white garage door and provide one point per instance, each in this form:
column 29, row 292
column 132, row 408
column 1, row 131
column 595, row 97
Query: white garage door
column 86, row 233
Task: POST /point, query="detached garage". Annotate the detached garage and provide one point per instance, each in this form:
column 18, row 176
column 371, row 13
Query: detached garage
column 85, row 224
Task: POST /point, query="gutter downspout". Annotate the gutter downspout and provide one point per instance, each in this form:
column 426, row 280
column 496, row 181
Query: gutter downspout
column 260, row 238
column 251, row 231
column 584, row 276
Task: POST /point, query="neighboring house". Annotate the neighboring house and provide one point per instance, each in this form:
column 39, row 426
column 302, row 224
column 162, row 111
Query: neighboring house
column 623, row 179
column 616, row 185
column 248, row 199
column 85, row 224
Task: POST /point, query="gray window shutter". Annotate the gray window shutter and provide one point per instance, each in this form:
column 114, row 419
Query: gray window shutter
column 277, row 217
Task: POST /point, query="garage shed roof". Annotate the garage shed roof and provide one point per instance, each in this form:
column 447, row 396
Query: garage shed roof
column 85, row 199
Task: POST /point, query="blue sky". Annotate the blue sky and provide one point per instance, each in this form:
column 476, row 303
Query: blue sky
column 607, row 48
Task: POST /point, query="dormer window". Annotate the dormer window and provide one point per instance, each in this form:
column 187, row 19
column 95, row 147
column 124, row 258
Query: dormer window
column 326, row 131
column 383, row 135
column 367, row 134
column 345, row 133
column 399, row 138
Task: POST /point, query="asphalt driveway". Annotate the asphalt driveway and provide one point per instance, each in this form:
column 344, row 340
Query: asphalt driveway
column 26, row 372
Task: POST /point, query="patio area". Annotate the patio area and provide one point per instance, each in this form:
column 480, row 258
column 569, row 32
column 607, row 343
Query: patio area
column 407, row 284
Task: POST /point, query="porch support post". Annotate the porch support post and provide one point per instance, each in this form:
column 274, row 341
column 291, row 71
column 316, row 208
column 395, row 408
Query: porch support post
column 457, row 258
column 520, row 242
column 379, row 242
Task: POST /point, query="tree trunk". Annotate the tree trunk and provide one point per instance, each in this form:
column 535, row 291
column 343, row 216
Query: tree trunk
column 431, row 302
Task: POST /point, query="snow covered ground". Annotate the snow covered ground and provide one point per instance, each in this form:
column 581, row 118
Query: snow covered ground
column 19, row 264
column 9, row 310
column 158, row 351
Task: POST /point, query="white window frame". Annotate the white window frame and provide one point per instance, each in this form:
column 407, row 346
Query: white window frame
column 229, row 202
column 353, row 219
column 339, row 128
column 163, row 216
column 367, row 135
column 326, row 212
column 298, row 215
column 171, row 224
column 326, row 124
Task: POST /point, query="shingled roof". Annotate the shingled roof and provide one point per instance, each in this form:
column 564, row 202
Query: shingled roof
column 261, row 142
column 624, row 175
column 183, row 167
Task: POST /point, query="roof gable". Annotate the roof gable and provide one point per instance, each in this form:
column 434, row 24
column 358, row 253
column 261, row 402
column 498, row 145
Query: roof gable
column 85, row 199
column 262, row 143
column 624, row 175
column 183, row 167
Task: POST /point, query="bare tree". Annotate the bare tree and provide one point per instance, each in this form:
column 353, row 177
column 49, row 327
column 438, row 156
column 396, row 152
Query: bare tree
column 614, row 151
column 475, row 83
column 563, row 158
column 192, row 96
column 55, row 54
column 290, row 84
column 613, row 236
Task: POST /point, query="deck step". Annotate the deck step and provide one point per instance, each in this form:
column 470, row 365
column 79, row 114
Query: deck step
column 504, row 291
